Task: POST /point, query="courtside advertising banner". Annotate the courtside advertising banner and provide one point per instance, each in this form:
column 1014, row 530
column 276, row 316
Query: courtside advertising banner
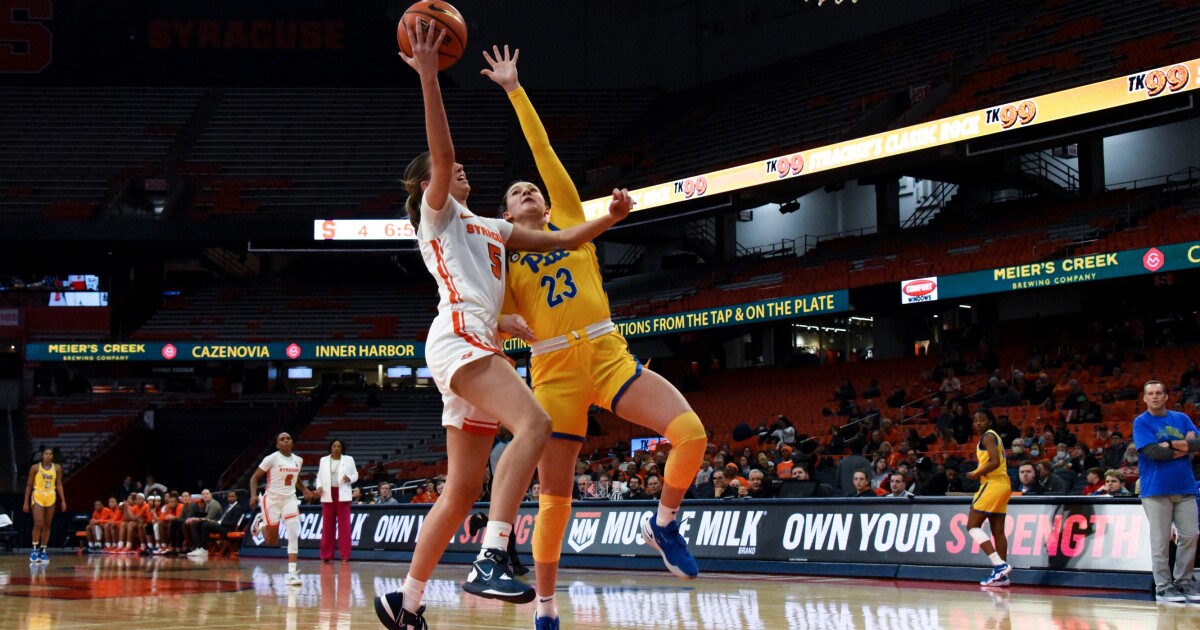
column 1073, row 536
column 223, row 351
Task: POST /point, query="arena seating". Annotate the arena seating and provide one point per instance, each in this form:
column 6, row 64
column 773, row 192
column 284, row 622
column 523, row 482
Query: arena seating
column 988, row 53
column 1010, row 233
column 63, row 150
column 404, row 431
column 341, row 153
column 264, row 311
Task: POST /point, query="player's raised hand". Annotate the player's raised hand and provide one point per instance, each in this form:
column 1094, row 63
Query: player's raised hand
column 425, row 49
column 503, row 67
column 621, row 203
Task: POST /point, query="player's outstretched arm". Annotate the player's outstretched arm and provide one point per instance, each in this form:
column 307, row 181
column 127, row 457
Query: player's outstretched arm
column 573, row 237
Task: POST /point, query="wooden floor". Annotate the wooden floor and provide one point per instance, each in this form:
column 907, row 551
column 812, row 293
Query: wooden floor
column 94, row 592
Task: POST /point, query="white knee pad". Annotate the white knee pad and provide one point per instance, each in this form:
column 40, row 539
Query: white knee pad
column 292, row 525
column 978, row 536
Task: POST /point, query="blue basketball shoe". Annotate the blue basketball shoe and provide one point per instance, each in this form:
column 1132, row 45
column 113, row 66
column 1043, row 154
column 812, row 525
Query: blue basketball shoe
column 391, row 613
column 491, row 577
column 672, row 547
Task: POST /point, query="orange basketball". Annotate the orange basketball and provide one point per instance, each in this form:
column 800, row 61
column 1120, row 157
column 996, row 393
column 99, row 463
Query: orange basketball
column 421, row 16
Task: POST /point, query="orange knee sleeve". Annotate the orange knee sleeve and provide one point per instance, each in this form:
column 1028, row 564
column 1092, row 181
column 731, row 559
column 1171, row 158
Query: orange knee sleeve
column 553, row 515
column 688, row 440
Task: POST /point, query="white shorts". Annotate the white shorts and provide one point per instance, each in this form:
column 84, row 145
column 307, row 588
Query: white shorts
column 455, row 339
column 276, row 509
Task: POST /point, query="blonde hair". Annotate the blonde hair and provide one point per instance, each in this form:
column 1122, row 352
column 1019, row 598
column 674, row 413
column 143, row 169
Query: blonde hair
column 417, row 172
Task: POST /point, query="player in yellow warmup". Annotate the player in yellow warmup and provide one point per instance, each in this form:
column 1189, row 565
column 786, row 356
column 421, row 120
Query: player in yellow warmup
column 43, row 491
column 991, row 500
column 556, row 301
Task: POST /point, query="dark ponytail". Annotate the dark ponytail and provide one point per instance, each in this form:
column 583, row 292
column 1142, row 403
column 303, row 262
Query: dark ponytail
column 417, row 172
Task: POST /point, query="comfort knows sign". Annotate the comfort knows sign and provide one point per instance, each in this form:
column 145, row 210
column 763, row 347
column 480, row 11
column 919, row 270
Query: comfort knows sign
column 1054, row 273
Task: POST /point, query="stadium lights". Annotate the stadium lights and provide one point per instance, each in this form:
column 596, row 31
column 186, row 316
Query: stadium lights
column 822, row 2
column 966, row 306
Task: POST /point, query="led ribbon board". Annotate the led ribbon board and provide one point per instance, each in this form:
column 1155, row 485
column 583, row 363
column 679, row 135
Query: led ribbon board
column 1087, row 99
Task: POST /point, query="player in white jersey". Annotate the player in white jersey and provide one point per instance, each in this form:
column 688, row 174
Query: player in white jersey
column 466, row 254
column 279, row 503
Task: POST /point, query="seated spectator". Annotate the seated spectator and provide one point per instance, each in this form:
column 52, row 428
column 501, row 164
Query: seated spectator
column 758, row 488
column 428, row 495
column 356, row 496
column 1114, row 485
column 862, row 486
column 1129, row 462
column 1192, row 371
column 951, row 386
column 635, row 491
column 898, row 486
column 153, row 488
column 535, row 491
column 1027, row 481
column 1095, row 481
column 385, row 495
column 732, row 473
column 1121, row 386
column 1190, row 395
column 783, row 469
column 720, row 487
column 603, row 490
column 845, row 391
column 583, row 487
column 943, row 481
column 704, row 475
column 897, row 398
column 872, row 390
column 1082, row 460
column 1062, row 458
column 654, row 487
column 1075, row 399
column 1002, row 396
column 879, row 473
column 1052, row 482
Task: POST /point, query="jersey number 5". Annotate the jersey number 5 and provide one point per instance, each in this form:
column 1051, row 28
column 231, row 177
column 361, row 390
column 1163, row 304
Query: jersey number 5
column 554, row 296
column 494, row 254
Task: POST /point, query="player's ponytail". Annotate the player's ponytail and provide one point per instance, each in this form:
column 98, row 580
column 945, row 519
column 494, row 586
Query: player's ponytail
column 417, row 172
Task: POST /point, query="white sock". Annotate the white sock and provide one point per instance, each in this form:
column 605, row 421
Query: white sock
column 495, row 537
column 995, row 558
column 292, row 567
column 665, row 515
column 413, row 590
column 546, row 608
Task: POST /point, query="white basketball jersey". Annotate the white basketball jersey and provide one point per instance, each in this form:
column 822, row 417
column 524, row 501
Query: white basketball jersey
column 281, row 474
column 465, row 254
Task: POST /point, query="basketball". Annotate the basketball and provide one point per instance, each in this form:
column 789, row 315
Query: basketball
column 421, row 16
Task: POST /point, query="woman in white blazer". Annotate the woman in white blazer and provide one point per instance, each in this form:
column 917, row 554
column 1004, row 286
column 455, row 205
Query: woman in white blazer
column 336, row 473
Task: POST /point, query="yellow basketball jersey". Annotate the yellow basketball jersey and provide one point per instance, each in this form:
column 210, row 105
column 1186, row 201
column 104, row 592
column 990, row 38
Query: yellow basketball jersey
column 560, row 291
column 981, row 453
column 45, row 483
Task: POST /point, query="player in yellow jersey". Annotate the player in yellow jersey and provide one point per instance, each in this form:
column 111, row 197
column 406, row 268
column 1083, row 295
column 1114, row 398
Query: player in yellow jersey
column 991, row 500
column 557, row 302
column 41, row 493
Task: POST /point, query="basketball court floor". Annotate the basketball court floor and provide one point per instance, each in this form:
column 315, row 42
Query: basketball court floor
column 96, row 592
